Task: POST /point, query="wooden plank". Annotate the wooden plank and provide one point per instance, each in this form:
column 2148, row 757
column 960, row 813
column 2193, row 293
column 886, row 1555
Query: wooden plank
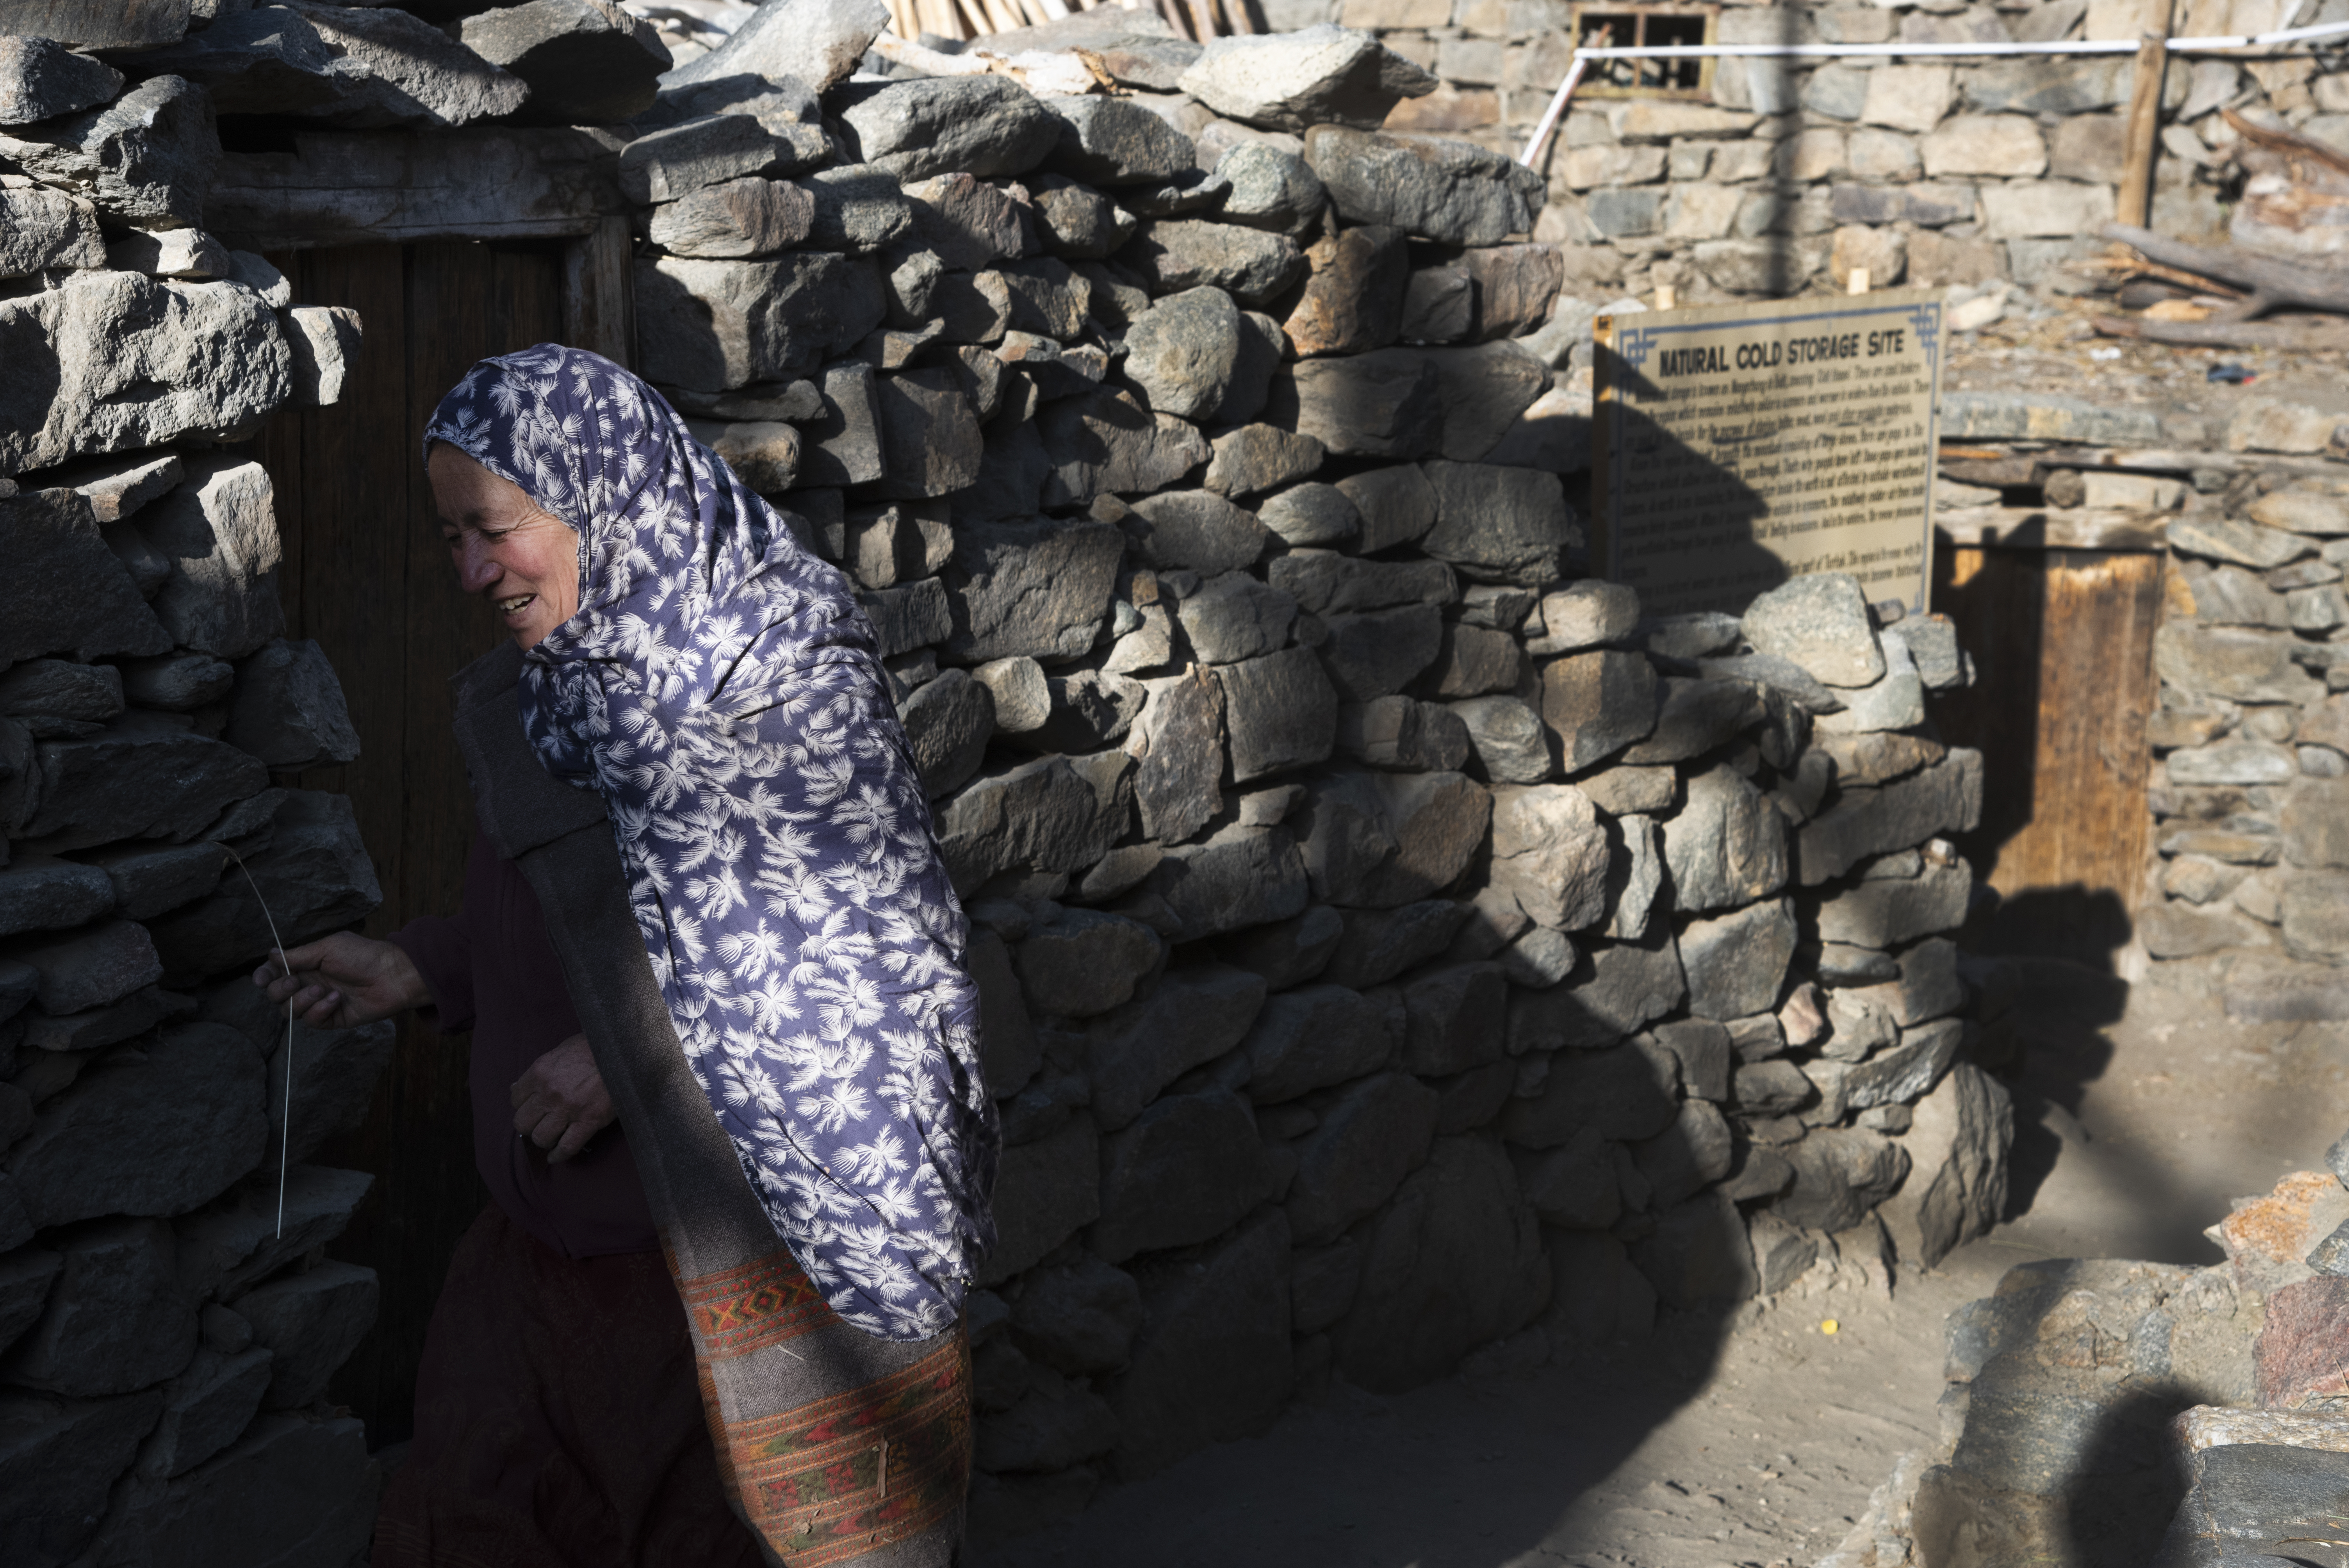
column 2062, row 642
column 599, row 293
column 2052, row 527
column 343, row 188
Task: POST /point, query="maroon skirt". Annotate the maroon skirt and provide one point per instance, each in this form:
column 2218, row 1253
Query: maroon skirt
column 559, row 1422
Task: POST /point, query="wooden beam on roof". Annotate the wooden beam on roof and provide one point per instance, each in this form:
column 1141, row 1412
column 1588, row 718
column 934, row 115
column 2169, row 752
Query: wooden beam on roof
column 344, row 188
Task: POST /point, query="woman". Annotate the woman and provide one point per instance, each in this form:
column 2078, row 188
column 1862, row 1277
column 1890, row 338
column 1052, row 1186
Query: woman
column 704, row 869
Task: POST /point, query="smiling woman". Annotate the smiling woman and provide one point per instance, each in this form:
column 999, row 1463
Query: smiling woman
column 703, row 900
column 506, row 548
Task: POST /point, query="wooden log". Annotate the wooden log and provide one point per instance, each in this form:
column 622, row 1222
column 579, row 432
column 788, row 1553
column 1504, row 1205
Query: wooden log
column 2051, row 528
column 598, row 293
column 2136, row 202
column 2214, row 333
column 341, row 188
column 2274, row 285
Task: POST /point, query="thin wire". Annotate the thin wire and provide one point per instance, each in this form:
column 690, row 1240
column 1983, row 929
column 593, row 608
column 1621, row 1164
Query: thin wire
column 285, row 1134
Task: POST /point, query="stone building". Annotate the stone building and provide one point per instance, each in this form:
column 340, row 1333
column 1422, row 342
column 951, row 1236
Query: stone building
column 1395, row 947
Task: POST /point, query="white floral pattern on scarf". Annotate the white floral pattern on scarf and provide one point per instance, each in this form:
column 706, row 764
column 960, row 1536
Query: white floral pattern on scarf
column 722, row 689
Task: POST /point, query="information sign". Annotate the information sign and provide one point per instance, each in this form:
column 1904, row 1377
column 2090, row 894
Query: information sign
column 1737, row 446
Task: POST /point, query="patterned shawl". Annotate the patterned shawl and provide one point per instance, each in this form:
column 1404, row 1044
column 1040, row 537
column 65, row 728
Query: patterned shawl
column 721, row 688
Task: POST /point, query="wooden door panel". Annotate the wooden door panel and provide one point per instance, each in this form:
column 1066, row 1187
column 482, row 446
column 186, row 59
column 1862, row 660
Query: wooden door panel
column 2063, row 647
column 366, row 576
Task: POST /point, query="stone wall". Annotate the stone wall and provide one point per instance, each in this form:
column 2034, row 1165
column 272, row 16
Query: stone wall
column 1394, row 946
column 1790, row 173
column 164, row 1344
column 2250, row 794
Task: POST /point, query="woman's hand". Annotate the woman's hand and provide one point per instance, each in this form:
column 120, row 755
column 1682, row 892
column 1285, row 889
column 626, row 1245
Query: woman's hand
column 560, row 1101
column 342, row 980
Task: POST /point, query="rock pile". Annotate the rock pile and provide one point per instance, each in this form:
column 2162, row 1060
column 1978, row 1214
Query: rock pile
column 1394, row 946
column 1762, row 177
column 164, row 1341
column 2109, row 1411
column 2252, row 789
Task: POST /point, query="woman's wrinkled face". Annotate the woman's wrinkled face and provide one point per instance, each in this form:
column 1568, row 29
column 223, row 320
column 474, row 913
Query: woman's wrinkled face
column 524, row 560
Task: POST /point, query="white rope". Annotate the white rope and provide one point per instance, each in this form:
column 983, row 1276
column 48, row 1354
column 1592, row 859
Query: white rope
column 285, row 1134
column 1557, row 110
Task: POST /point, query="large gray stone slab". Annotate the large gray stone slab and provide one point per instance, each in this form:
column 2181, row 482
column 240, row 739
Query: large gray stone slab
column 119, row 1317
column 1292, row 81
column 1430, row 187
column 362, row 69
column 713, row 325
column 925, row 125
column 585, row 62
column 41, row 78
column 147, row 158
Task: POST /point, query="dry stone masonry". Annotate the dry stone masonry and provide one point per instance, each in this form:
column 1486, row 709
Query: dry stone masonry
column 1788, row 173
column 164, row 1349
column 1395, row 947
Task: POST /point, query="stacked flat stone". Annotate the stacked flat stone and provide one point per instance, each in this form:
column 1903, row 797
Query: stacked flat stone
column 1393, row 946
column 2251, row 793
column 1789, row 173
column 165, row 1348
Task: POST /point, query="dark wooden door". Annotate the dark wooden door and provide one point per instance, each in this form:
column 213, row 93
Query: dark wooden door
column 366, row 576
column 2063, row 647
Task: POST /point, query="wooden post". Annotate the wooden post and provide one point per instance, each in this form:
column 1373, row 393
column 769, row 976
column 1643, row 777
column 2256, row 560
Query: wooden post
column 2136, row 203
column 598, row 292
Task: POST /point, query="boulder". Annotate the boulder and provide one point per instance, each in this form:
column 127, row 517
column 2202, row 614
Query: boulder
column 1958, row 1139
column 1241, row 875
column 745, row 217
column 156, row 1130
column 1370, row 1138
column 1397, row 505
column 1213, row 1361
column 219, row 531
column 1841, row 1174
column 142, row 777
column 858, row 209
column 948, row 722
column 1233, row 617
column 310, row 1323
column 1887, row 911
column 295, row 1488
column 322, row 340
column 1430, row 187
column 1194, row 1015
column 1251, row 265
column 1820, row 622
column 1355, row 292
column 713, row 325
column 1381, row 943
column 1454, row 1264
column 1079, row 1318
column 1117, row 141
column 1183, row 354
column 1255, row 457
column 1726, row 846
column 1616, row 987
column 1515, row 287
column 1383, row 404
column 969, row 223
column 110, row 361
column 1292, row 81
column 118, row 1318
column 1311, row 1038
column 1698, row 1252
column 1085, row 962
column 146, row 158
column 1197, row 530
column 815, row 43
column 1485, row 389
column 1454, row 1019
column 1507, row 739
column 240, row 1239
column 925, row 126
column 1596, row 704
column 702, row 154
column 1625, row 1093
column 289, row 709
column 1736, row 963
column 332, row 1084
column 1379, row 841
column 1187, row 1168
column 357, row 69
column 1944, row 797
column 585, row 62
column 1280, row 712
column 1055, row 1424
column 92, row 968
column 205, row 1409
column 1042, row 815
column 40, row 79
column 66, row 590
column 1271, row 189
column 1309, row 515
column 1106, row 443
column 1038, row 589
column 43, row 230
column 1288, row 952
column 1498, row 524
column 58, row 1460
column 1045, row 1192
column 1551, row 852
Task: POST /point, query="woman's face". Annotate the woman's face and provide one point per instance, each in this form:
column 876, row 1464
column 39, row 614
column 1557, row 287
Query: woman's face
column 522, row 559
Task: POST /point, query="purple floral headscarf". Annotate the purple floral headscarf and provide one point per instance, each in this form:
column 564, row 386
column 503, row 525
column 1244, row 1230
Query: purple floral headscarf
column 723, row 691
